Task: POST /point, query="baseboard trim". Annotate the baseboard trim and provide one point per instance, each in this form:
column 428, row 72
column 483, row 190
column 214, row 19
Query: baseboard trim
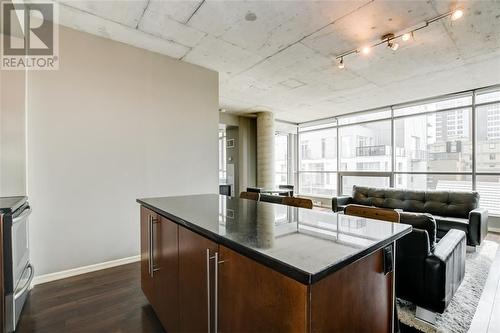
column 82, row 270
column 496, row 230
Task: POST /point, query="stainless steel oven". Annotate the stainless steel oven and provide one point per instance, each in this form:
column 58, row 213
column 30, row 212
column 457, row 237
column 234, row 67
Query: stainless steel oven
column 18, row 271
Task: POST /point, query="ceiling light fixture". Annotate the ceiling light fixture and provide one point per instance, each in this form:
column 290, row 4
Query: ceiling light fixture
column 341, row 63
column 458, row 13
column 250, row 16
column 409, row 35
column 390, row 41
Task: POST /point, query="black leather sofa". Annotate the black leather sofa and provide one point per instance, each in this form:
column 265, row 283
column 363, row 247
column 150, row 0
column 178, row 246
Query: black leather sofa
column 450, row 209
column 429, row 272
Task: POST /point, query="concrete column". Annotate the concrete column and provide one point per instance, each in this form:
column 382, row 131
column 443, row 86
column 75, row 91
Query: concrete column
column 265, row 149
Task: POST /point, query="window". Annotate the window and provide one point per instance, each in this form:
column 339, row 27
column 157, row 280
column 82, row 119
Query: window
column 281, row 159
column 222, row 156
column 366, row 146
column 349, row 181
column 435, row 182
column 318, row 162
column 488, row 137
column 429, row 142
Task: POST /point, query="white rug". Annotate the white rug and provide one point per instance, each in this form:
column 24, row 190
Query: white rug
column 458, row 315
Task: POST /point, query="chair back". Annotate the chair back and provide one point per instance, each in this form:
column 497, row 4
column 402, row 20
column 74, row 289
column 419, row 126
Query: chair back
column 250, row 195
column 254, row 189
column 298, row 202
column 372, row 212
column 277, row 199
column 287, row 187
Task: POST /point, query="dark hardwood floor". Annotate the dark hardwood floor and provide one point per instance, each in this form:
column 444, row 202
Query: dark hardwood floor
column 109, row 300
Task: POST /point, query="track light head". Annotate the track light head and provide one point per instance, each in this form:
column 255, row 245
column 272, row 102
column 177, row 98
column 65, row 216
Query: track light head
column 407, row 36
column 365, row 50
column 341, row 63
column 390, row 41
column 458, row 13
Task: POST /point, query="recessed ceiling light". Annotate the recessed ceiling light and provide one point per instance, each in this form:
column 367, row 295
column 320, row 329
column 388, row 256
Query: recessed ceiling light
column 250, row 17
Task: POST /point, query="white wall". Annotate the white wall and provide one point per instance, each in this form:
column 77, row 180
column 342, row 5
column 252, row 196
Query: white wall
column 113, row 124
column 12, row 133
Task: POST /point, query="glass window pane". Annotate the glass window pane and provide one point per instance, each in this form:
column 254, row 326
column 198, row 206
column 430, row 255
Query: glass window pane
column 491, row 96
column 318, row 183
column 488, row 138
column 489, row 188
column 310, row 127
column 281, row 159
column 364, row 116
column 222, row 157
column 433, row 182
column 366, row 147
column 453, row 102
column 436, row 142
column 318, row 150
column 349, row 181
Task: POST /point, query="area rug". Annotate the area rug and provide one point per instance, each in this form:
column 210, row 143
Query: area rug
column 458, row 316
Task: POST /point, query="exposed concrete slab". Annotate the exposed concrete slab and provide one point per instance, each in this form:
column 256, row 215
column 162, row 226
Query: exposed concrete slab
column 261, row 62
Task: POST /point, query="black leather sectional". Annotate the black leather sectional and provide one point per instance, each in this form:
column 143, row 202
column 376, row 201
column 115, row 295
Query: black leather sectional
column 430, row 261
column 450, row 209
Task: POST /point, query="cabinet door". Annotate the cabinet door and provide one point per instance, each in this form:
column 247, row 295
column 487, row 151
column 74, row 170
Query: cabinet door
column 255, row 298
column 166, row 274
column 196, row 282
column 147, row 284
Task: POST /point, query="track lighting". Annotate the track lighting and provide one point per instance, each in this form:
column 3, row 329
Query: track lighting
column 341, row 63
column 390, row 39
column 407, row 36
column 457, row 14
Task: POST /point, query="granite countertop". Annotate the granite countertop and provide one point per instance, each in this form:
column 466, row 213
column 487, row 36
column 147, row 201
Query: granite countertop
column 303, row 244
column 10, row 204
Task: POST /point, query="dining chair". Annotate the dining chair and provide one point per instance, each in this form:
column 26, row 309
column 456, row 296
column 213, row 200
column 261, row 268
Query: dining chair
column 250, row 195
column 287, row 187
column 376, row 213
column 277, row 199
column 254, row 189
column 298, row 202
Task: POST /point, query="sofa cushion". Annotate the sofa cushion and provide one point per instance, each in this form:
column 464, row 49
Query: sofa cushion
column 445, row 223
column 421, row 221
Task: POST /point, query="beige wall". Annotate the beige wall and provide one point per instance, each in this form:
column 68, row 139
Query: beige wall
column 113, row 124
column 12, row 133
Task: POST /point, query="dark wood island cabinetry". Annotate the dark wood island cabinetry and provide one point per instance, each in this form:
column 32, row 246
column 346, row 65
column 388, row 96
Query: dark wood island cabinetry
column 212, row 263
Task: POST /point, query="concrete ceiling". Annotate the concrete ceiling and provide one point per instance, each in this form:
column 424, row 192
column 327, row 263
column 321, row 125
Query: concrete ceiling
column 283, row 61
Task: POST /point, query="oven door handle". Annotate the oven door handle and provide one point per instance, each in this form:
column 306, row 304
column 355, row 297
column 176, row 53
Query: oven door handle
column 22, row 216
column 27, row 284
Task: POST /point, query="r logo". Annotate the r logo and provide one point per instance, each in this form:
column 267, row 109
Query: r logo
column 33, row 24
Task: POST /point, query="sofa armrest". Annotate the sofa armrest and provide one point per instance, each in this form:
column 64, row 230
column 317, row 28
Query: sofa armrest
column 338, row 203
column 444, row 270
column 478, row 226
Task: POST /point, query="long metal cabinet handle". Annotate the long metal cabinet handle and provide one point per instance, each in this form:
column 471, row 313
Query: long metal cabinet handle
column 216, row 276
column 208, row 289
column 150, row 231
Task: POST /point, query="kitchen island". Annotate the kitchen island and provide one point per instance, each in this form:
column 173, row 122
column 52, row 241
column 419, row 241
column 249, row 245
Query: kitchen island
column 213, row 263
